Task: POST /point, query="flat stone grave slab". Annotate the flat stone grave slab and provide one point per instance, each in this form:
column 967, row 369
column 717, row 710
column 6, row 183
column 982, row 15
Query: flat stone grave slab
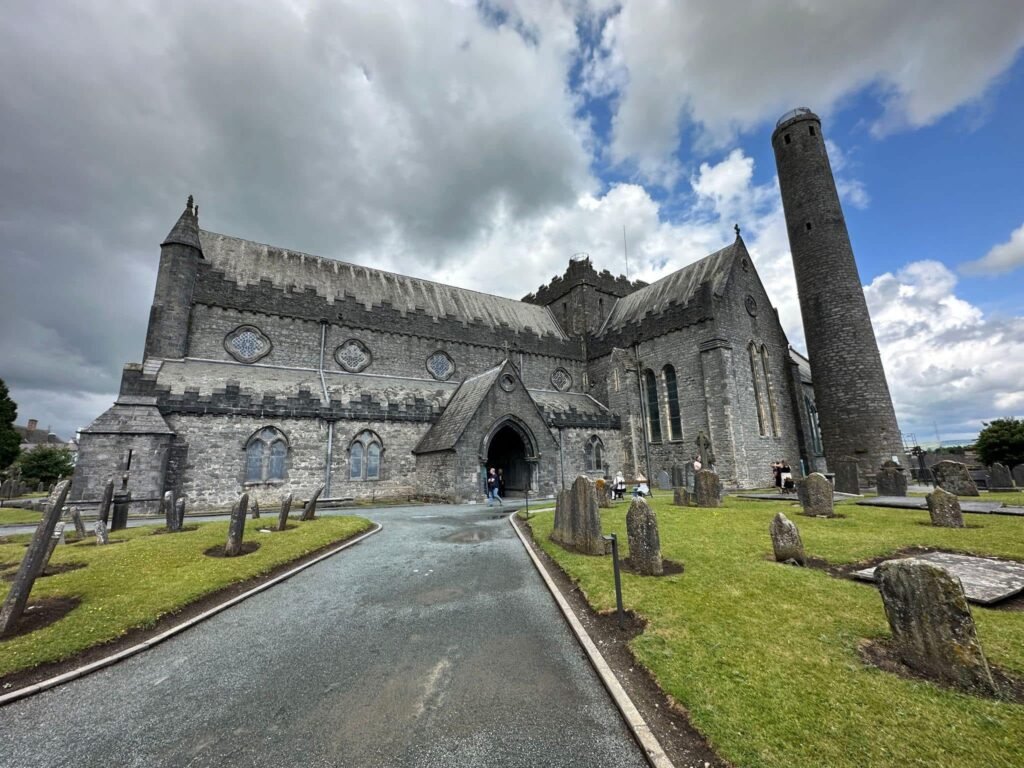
column 788, row 496
column 919, row 502
column 986, row 580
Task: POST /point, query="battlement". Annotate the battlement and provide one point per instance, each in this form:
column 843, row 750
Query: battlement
column 582, row 272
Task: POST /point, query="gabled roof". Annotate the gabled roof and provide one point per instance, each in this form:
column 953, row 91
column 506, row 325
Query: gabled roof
column 463, row 405
column 247, row 263
column 131, row 414
column 682, row 287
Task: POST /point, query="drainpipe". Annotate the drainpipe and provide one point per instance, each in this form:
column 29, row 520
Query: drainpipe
column 643, row 411
column 327, row 401
column 561, row 457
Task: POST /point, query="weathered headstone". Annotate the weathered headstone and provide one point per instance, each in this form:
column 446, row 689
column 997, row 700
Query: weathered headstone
column 169, row 512
column 32, row 564
column 601, row 488
column 122, row 500
column 953, row 476
column 282, row 516
column 1000, row 477
column 815, row 493
column 944, row 509
column 57, row 537
column 255, row 508
column 310, row 511
column 76, row 519
column 931, row 624
column 579, row 525
column 179, row 512
column 707, row 488
column 786, row 540
column 678, row 476
column 664, row 480
column 644, row 542
column 103, row 513
column 1018, row 475
column 101, row 532
column 847, row 475
column 680, row 497
column 891, row 480
column 236, row 528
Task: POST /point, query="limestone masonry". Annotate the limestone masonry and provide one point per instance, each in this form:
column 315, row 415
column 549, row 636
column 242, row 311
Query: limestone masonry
column 270, row 372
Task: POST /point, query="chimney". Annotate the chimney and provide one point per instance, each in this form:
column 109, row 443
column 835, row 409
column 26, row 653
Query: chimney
column 32, row 424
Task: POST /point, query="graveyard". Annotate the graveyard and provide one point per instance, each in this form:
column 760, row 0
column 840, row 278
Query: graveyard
column 779, row 665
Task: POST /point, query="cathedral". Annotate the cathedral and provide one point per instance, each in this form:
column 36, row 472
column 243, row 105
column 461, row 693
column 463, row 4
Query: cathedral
column 272, row 371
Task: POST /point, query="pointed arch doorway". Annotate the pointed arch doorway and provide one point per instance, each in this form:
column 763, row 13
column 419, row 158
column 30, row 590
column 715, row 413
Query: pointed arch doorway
column 509, row 447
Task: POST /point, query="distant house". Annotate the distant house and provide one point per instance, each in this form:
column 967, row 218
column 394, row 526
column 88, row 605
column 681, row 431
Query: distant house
column 32, row 437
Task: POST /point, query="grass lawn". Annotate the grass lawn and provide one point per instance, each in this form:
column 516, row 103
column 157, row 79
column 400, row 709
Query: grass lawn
column 15, row 516
column 125, row 586
column 764, row 656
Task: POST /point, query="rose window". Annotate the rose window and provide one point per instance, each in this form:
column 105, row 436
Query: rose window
column 353, row 356
column 441, row 366
column 561, row 380
column 247, row 344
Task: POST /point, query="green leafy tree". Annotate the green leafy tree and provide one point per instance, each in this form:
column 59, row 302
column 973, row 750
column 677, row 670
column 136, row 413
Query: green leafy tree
column 10, row 441
column 45, row 464
column 1002, row 440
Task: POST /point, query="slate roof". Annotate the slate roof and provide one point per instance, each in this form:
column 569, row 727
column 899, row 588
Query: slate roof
column 247, row 263
column 803, row 364
column 443, row 435
column 682, row 286
column 131, row 415
column 552, row 403
column 37, row 436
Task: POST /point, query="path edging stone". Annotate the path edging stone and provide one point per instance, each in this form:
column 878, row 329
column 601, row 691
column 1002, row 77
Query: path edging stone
column 649, row 744
column 145, row 645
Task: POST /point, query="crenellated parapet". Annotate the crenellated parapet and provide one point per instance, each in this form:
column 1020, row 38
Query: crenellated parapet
column 582, row 272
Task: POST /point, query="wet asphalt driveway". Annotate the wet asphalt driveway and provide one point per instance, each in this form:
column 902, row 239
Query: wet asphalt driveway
column 433, row 643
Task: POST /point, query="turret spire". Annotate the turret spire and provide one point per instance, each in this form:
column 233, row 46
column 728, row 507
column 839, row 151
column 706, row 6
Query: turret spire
column 186, row 230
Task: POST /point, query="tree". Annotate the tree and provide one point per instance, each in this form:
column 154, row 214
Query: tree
column 10, row 441
column 1001, row 440
column 45, row 464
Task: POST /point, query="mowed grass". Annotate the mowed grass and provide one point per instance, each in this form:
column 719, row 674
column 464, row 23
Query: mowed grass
column 15, row 516
column 131, row 585
column 764, row 656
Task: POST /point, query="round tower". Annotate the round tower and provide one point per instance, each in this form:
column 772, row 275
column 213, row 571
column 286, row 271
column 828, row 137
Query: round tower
column 850, row 390
column 180, row 253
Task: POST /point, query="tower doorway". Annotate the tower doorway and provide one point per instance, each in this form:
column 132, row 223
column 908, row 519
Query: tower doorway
column 507, row 452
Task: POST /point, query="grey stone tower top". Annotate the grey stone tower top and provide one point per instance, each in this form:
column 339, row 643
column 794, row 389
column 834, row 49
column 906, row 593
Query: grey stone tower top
column 180, row 253
column 851, row 393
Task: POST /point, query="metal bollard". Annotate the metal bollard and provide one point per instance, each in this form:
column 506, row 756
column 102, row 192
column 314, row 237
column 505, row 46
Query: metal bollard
column 618, row 579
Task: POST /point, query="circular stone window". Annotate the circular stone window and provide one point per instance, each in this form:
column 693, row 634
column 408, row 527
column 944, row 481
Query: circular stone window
column 561, row 379
column 247, row 344
column 507, row 382
column 353, row 356
column 440, row 365
column 751, row 306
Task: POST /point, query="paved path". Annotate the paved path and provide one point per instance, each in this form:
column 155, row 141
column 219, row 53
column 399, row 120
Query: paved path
column 433, row 643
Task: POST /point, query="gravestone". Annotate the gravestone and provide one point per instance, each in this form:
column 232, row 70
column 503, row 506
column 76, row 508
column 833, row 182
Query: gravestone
column 179, row 512
column 848, row 476
column 57, row 537
column 664, row 480
column 101, row 532
column 953, row 476
column 707, row 488
column 577, row 522
column 310, row 511
column 236, row 528
column 680, row 497
column 1018, row 475
column 282, row 516
column 1000, row 477
column 33, row 563
column 816, row 495
column 786, row 540
column 678, row 476
column 122, row 500
column 944, row 509
column 601, row 488
column 255, row 508
column 103, row 513
column 169, row 511
column 644, row 542
column 76, row 519
column 891, row 480
column 932, row 627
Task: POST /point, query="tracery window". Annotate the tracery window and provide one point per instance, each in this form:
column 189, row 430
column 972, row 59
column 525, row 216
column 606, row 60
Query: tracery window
column 768, row 391
column 265, row 455
column 593, row 454
column 756, row 375
column 675, row 422
column 653, row 414
column 365, row 456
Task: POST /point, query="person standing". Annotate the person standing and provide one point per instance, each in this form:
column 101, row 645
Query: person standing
column 492, row 488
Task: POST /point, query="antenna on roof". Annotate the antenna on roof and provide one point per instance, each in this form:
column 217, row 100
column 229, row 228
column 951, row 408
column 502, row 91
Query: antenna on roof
column 625, row 250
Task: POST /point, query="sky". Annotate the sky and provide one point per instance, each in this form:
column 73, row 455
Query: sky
column 483, row 144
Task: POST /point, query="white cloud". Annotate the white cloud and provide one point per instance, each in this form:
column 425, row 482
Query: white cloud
column 1001, row 259
column 946, row 361
column 719, row 67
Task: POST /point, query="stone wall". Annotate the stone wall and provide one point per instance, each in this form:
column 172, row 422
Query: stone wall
column 101, row 458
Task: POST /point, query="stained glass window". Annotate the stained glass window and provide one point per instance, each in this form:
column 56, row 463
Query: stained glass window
column 265, row 456
column 675, row 422
column 356, row 462
column 653, row 414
